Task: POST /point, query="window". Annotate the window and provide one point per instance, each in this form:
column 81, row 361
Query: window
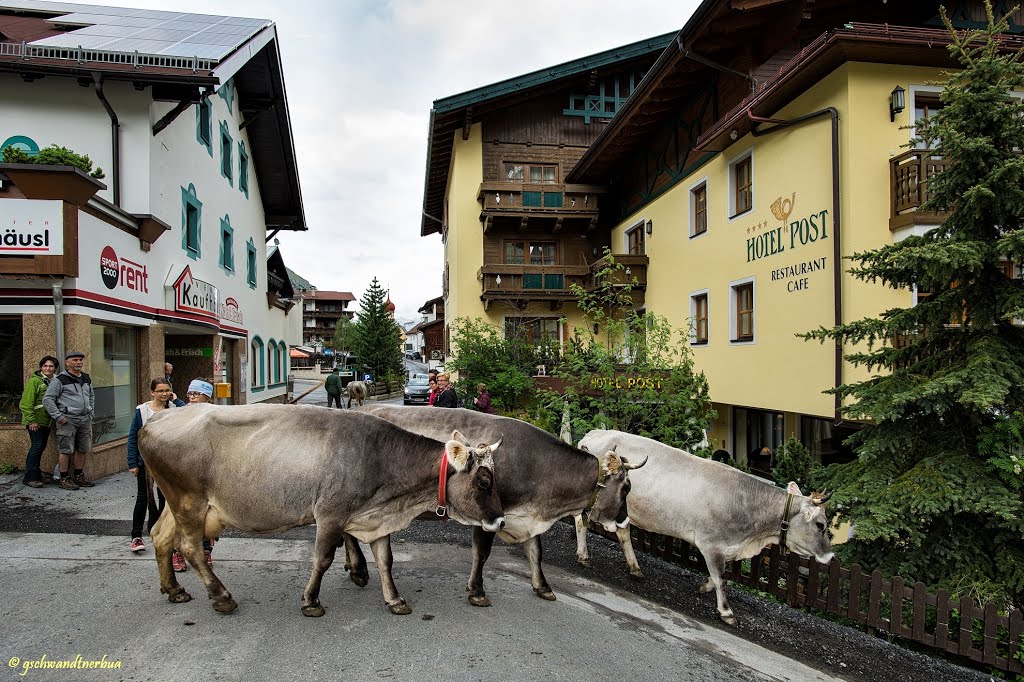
column 227, row 168
column 243, row 170
column 536, row 332
column 204, row 124
column 699, row 209
column 113, row 367
column 925, row 106
column 636, row 242
column 256, row 373
column 273, row 371
column 741, row 179
column 191, row 222
column 754, row 431
column 250, row 270
column 743, row 311
column 227, row 245
column 540, row 253
column 825, row 441
column 699, row 317
column 531, row 172
column 11, row 377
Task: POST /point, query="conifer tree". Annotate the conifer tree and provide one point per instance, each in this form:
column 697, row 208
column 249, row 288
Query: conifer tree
column 935, row 491
column 377, row 338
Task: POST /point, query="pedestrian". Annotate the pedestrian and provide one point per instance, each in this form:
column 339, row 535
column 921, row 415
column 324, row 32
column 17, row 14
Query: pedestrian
column 35, row 419
column 168, row 371
column 483, row 399
column 199, row 391
column 432, row 396
column 160, row 399
column 446, row 395
column 70, row 401
column 333, row 386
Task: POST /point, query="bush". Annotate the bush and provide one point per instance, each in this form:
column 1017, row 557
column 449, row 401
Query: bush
column 482, row 354
column 54, row 155
column 793, row 463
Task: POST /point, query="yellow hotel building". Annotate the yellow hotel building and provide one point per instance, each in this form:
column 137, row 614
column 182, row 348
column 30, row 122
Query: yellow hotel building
column 766, row 143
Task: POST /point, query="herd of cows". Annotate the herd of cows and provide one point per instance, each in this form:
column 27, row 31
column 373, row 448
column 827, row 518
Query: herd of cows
column 363, row 474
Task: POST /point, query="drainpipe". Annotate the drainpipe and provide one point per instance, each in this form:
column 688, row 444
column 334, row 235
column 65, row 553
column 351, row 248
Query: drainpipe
column 115, row 135
column 58, row 312
column 837, row 272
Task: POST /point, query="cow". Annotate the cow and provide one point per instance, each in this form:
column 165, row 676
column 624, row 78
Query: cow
column 728, row 515
column 356, row 391
column 268, row 468
column 547, row 480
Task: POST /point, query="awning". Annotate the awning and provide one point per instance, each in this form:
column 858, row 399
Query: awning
column 296, row 353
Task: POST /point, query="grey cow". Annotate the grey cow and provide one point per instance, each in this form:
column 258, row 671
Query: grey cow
column 726, row 514
column 547, row 480
column 268, row 468
column 357, row 391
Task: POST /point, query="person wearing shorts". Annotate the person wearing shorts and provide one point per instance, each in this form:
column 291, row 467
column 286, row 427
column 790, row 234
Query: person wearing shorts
column 70, row 401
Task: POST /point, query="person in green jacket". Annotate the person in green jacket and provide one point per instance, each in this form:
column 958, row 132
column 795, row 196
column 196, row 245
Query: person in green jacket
column 36, row 420
column 333, row 386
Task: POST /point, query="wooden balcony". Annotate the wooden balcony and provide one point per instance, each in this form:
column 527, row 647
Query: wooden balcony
column 634, row 272
column 525, row 283
column 908, row 176
column 537, row 204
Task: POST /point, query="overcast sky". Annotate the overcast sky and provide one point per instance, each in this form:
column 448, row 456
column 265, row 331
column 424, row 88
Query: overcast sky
column 361, row 76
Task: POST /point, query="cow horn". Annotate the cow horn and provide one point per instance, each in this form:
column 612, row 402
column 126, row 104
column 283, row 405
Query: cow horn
column 821, row 498
column 494, row 447
column 626, row 465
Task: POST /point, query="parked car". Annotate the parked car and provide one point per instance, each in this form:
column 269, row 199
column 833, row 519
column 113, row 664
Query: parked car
column 415, row 355
column 417, row 391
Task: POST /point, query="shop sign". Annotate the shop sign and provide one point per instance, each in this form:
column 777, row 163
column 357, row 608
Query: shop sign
column 122, row 272
column 195, row 296
column 627, row 381
column 31, row 227
column 188, row 352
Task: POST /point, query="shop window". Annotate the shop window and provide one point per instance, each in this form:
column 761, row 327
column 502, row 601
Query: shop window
column 227, row 245
column 257, row 371
column 114, row 365
column 757, row 436
column 699, row 318
column 191, row 223
column 741, row 181
column 227, row 145
column 243, row 170
column 250, row 259
column 742, row 304
column 699, row 209
column 204, row 124
column 12, row 377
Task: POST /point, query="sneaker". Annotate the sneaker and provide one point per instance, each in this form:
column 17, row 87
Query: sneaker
column 138, row 545
column 35, row 484
column 68, row 483
column 178, row 562
column 83, row 482
column 209, row 558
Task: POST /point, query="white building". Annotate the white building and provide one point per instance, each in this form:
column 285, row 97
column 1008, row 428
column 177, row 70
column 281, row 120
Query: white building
column 167, row 257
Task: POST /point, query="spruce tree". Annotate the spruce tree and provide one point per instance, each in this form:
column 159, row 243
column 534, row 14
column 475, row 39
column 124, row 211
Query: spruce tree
column 935, row 490
column 377, row 339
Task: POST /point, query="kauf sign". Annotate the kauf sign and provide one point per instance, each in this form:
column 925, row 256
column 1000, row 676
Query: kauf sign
column 201, row 298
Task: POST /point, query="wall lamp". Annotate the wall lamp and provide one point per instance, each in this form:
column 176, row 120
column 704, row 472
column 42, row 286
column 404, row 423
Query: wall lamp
column 649, row 227
column 897, row 102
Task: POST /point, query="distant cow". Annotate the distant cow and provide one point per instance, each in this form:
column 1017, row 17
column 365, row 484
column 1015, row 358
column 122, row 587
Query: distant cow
column 725, row 513
column 356, row 391
column 268, row 468
column 542, row 481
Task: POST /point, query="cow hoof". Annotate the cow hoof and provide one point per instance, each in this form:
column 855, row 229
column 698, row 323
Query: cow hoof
column 637, row 573
column 313, row 611
column 583, row 562
column 179, row 597
column 728, row 620
column 546, row 594
column 225, row 605
column 705, row 587
column 400, row 609
column 479, row 600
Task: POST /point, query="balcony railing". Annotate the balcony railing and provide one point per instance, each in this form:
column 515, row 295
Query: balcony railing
column 634, row 271
column 531, row 282
column 526, row 200
column 908, row 185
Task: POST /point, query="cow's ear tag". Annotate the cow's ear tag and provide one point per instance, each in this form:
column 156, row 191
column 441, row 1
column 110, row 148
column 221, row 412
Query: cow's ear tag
column 458, row 454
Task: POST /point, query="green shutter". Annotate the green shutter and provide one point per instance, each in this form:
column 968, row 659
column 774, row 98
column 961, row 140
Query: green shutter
column 533, row 281
column 553, row 199
column 531, row 199
column 553, row 282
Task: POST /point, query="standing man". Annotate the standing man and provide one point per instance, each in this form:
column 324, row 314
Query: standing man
column 71, row 403
column 333, row 386
column 168, row 371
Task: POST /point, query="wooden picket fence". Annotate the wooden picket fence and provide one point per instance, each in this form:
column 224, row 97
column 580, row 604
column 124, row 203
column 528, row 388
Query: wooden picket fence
column 878, row 605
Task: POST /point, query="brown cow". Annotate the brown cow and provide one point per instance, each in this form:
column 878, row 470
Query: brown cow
column 268, row 468
column 356, row 391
